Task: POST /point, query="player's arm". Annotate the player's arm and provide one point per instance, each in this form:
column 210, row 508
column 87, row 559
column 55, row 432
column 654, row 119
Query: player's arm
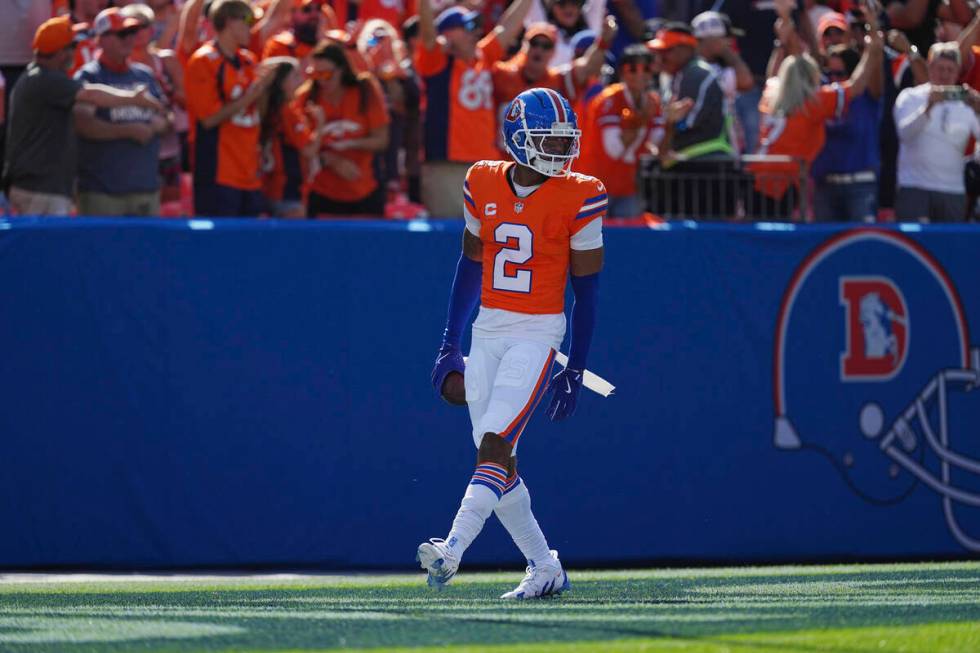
column 463, row 299
column 585, row 263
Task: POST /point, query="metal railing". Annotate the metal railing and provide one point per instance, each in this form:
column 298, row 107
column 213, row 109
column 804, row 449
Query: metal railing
column 726, row 189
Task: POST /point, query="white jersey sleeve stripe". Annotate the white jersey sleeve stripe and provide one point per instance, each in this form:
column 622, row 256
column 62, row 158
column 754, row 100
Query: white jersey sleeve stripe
column 472, row 222
column 589, row 236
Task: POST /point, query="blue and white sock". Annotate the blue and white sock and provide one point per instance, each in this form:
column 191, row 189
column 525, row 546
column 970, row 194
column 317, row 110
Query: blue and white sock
column 514, row 512
column 482, row 494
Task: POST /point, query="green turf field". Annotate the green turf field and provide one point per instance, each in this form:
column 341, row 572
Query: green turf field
column 928, row 608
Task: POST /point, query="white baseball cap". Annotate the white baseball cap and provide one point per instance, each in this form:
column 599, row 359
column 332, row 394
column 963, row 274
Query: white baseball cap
column 713, row 23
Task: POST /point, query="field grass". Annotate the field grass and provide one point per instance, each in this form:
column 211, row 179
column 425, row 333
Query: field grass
column 924, row 607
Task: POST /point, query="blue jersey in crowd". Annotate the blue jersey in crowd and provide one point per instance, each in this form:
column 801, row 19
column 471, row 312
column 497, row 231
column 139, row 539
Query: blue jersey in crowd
column 852, row 141
column 119, row 166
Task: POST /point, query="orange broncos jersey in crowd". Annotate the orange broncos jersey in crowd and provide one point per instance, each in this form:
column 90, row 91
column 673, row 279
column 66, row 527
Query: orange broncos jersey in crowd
column 229, row 152
column 800, row 134
column 527, row 241
column 282, row 165
column 614, row 107
column 345, row 121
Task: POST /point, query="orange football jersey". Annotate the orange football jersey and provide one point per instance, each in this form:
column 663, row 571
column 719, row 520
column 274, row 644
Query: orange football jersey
column 527, row 241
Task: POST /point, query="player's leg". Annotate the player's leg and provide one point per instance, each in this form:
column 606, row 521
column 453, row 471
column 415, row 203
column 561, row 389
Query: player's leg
column 441, row 558
column 520, row 383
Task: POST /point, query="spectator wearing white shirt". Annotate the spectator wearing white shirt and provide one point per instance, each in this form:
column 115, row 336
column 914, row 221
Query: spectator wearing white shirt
column 935, row 121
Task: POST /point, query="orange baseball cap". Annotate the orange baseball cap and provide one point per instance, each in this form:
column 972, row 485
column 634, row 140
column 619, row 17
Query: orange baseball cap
column 54, row 35
column 112, row 20
column 542, row 28
column 671, row 38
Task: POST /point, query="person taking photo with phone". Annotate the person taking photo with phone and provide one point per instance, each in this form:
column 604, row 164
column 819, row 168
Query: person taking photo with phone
column 935, row 121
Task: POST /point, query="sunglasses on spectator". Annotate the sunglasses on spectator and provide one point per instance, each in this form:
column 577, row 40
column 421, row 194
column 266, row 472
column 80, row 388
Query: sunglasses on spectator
column 322, row 75
column 543, row 44
column 565, row 3
column 126, row 33
column 837, row 74
column 310, row 9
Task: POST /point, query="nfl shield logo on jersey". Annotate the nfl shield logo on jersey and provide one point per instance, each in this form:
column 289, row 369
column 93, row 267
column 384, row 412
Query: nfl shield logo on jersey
column 518, row 207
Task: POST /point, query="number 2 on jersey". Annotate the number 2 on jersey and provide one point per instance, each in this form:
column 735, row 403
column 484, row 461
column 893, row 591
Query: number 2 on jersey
column 516, row 254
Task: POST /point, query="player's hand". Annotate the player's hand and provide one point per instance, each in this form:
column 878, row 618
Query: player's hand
column 565, row 387
column 449, row 361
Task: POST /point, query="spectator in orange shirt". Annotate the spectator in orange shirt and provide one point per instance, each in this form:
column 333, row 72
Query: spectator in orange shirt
column 355, row 128
column 195, row 26
column 529, row 68
column 309, row 19
column 622, row 122
column 290, row 140
column 795, row 108
column 223, row 85
column 460, row 121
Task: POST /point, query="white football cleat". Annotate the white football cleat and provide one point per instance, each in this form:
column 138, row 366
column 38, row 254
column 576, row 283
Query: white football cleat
column 436, row 558
column 544, row 579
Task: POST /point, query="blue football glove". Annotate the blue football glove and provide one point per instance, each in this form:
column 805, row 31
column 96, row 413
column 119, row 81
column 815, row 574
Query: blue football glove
column 450, row 359
column 565, row 387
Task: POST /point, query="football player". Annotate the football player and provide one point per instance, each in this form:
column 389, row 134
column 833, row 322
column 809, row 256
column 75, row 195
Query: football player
column 529, row 222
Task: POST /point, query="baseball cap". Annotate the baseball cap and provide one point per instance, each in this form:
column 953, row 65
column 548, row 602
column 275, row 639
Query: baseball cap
column 832, row 19
column 546, row 30
column 713, row 23
column 457, row 17
column 672, row 36
column 112, row 20
column 582, row 41
column 56, row 34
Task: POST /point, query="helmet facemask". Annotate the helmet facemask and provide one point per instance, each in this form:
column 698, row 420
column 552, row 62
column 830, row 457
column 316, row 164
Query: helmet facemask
column 548, row 151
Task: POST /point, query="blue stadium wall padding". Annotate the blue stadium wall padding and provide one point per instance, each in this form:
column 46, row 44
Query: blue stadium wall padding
column 249, row 393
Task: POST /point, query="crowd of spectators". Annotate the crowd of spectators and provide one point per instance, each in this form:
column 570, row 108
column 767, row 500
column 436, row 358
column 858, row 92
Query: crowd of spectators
column 708, row 109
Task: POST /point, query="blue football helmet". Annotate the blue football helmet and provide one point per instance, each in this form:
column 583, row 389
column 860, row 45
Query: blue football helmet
column 541, row 132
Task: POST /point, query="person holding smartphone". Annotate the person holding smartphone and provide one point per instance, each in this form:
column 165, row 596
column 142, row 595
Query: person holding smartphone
column 935, row 121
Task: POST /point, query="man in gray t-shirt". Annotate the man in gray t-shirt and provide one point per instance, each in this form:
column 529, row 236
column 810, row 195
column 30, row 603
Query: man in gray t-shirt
column 39, row 169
